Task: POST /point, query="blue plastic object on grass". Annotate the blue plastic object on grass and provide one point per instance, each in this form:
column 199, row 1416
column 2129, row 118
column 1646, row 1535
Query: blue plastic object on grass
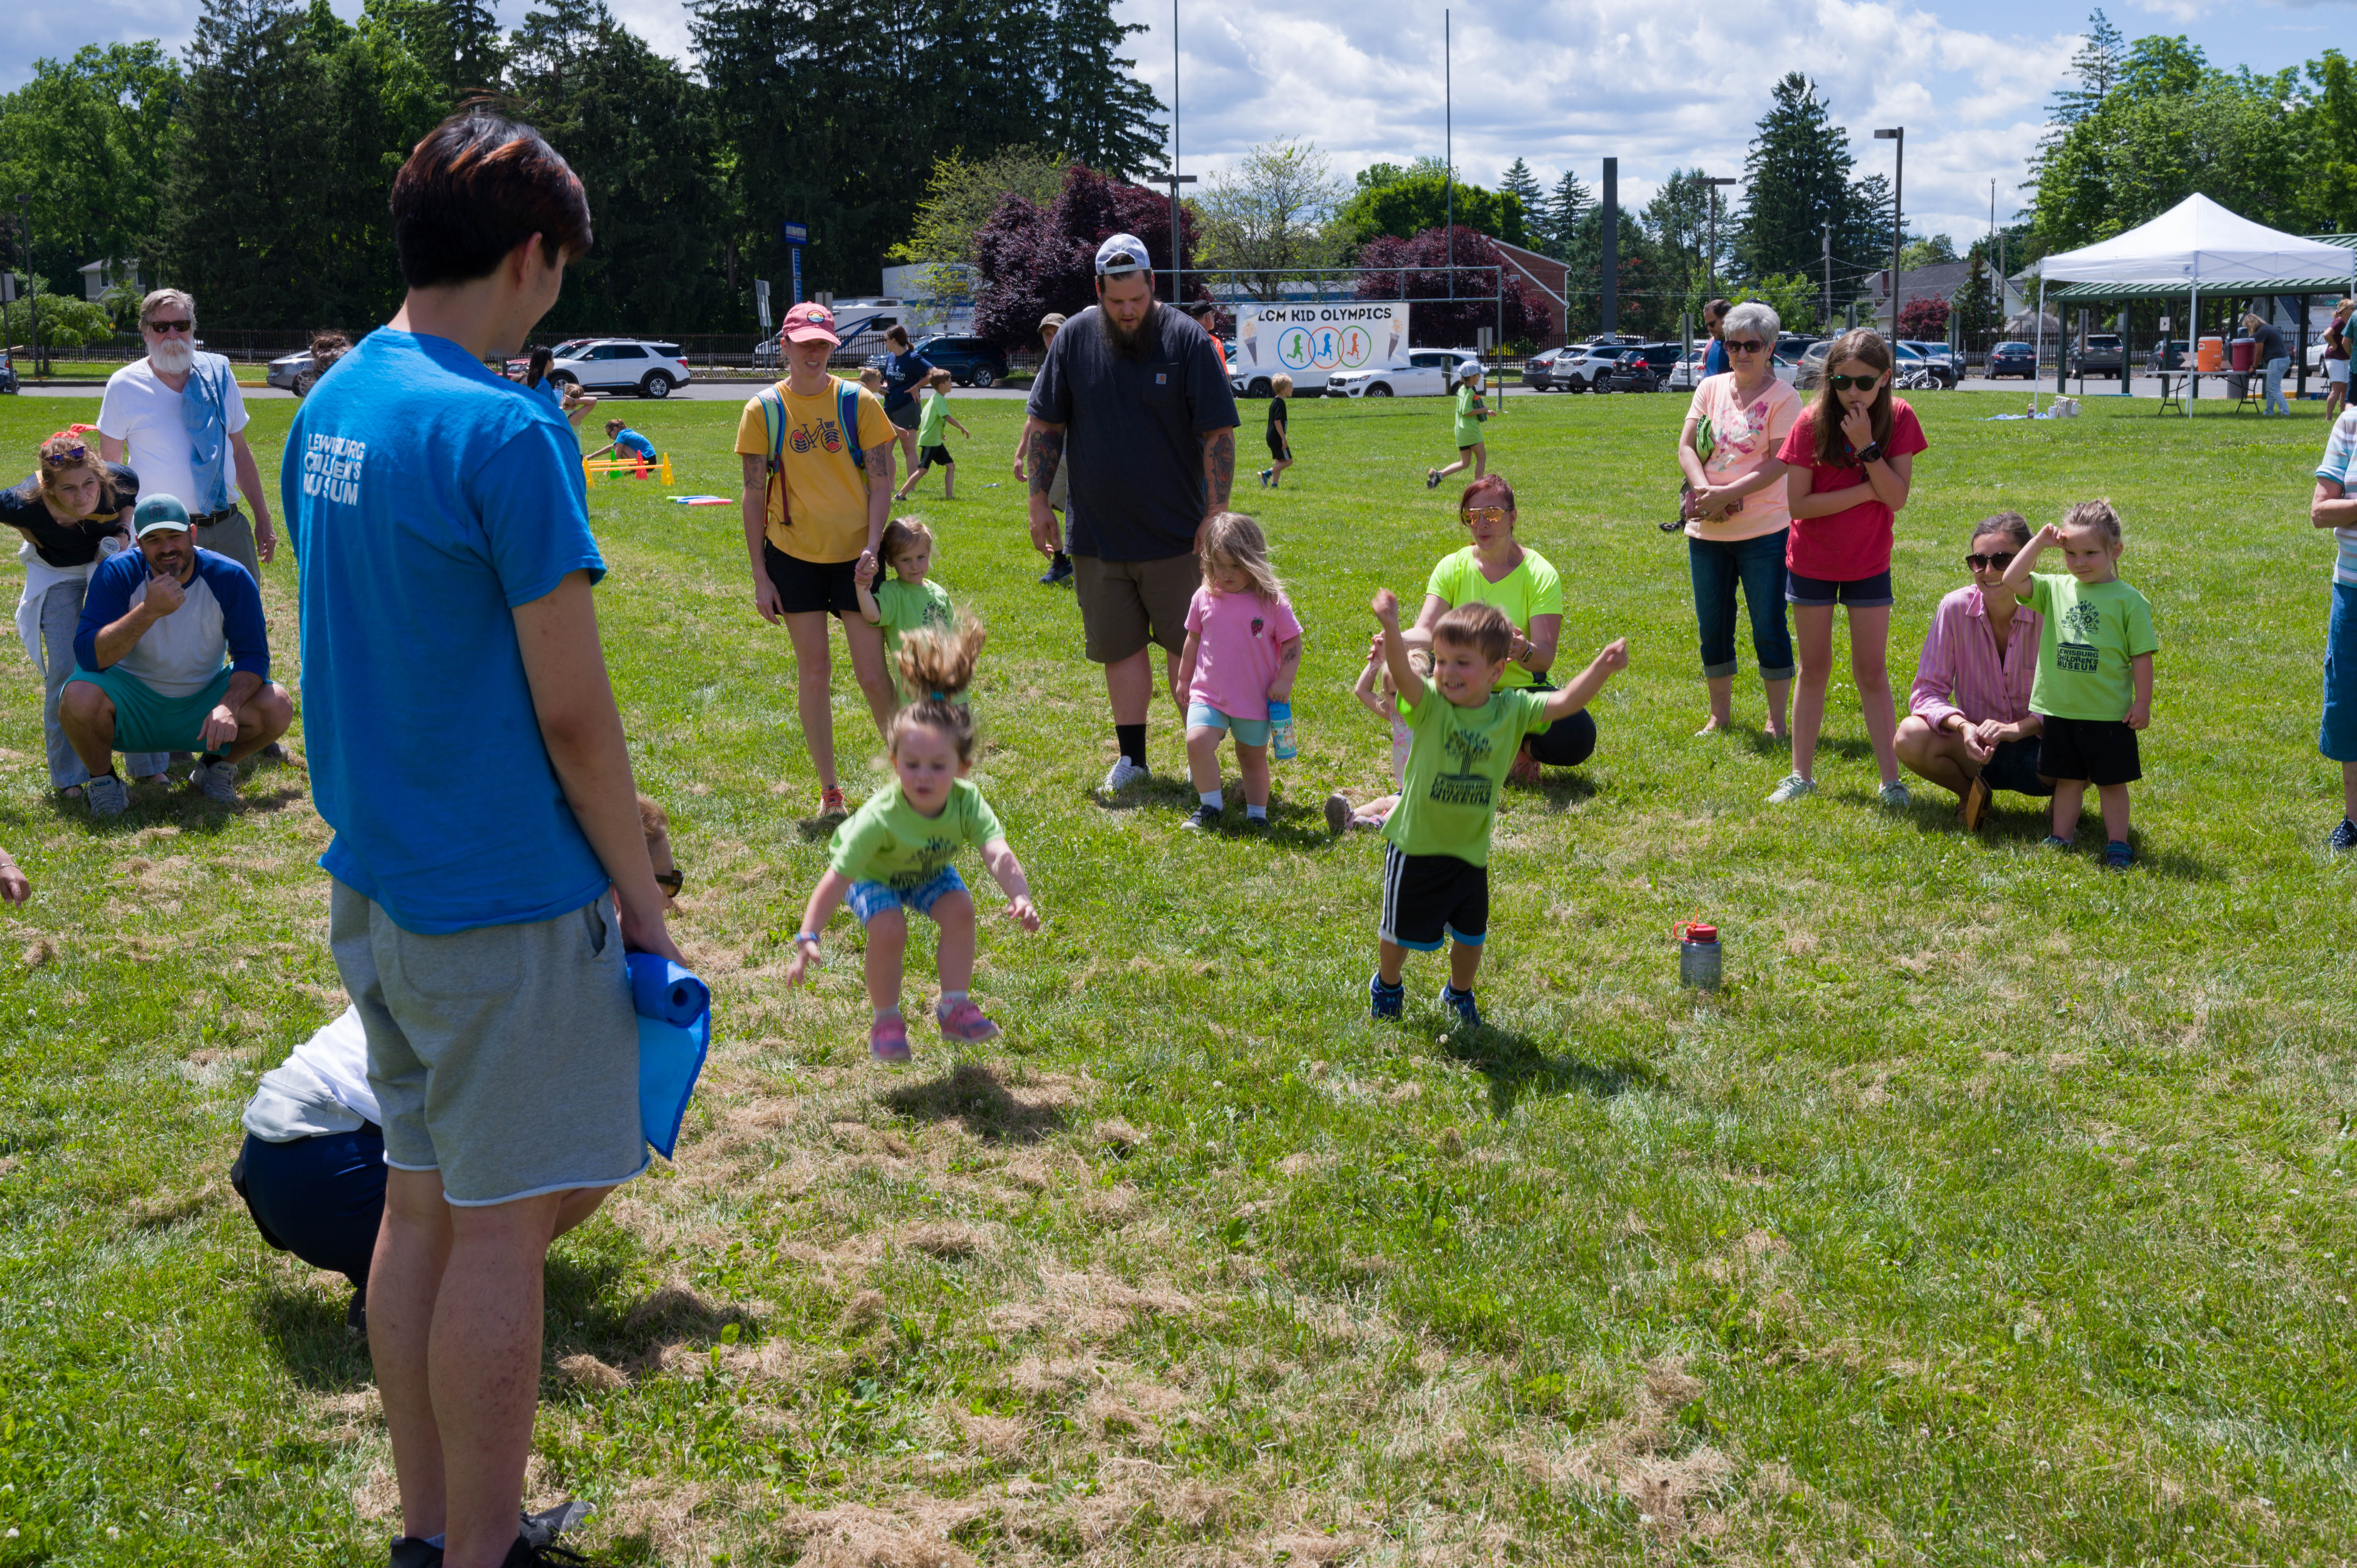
column 674, row 1012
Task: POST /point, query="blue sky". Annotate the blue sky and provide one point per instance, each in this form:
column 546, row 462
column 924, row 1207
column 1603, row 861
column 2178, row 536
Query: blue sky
column 1562, row 85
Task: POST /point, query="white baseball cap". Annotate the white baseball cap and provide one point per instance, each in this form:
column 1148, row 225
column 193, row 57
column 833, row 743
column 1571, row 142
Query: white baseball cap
column 1122, row 255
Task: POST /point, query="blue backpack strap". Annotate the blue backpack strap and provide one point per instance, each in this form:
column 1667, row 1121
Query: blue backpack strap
column 847, row 413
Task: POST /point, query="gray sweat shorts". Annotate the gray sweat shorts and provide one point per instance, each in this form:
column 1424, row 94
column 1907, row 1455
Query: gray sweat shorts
column 505, row 1058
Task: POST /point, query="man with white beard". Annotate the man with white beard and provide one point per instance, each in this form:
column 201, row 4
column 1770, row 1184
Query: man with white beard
column 177, row 419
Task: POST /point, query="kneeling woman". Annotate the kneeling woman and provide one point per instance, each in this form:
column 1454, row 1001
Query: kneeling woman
column 1968, row 727
column 1496, row 570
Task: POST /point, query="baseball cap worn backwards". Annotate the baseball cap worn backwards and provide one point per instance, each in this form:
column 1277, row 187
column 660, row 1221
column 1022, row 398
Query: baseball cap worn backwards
column 159, row 514
column 1121, row 256
column 810, row 324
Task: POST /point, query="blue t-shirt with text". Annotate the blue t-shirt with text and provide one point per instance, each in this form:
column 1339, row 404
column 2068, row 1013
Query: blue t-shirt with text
column 430, row 498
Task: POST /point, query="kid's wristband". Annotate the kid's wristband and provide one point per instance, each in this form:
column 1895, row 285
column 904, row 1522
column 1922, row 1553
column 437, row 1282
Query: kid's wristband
column 801, row 936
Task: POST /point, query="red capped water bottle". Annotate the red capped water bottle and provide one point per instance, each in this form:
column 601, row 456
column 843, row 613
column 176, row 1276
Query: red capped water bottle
column 1280, row 731
column 1698, row 955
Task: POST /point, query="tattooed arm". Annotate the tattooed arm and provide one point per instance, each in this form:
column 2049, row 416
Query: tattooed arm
column 1042, row 458
column 1219, row 471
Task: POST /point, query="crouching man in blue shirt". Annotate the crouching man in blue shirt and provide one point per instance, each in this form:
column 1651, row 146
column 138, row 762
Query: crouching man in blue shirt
column 148, row 675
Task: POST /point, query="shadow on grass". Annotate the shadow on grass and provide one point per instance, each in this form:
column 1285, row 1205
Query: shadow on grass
column 1517, row 1066
column 1166, row 792
column 972, row 1094
column 1560, row 788
column 2024, row 821
column 306, row 1330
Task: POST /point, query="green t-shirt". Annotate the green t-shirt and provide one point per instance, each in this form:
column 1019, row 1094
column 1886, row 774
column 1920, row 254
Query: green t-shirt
column 2087, row 634
column 905, row 608
column 888, row 841
column 1469, row 422
column 933, row 423
column 1532, row 588
column 1457, row 763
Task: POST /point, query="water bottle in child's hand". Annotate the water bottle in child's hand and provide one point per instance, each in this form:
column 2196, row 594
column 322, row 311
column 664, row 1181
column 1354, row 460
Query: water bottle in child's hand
column 1280, row 732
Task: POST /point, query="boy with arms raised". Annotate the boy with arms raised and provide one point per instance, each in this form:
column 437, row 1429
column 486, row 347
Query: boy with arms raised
column 1436, row 861
column 2093, row 688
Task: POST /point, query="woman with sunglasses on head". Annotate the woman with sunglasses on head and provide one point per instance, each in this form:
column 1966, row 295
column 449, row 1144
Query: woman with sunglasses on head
column 72, row 513
column 1735, row 519
column 1968, row 727
column 1495, row 569
column 1850, row 459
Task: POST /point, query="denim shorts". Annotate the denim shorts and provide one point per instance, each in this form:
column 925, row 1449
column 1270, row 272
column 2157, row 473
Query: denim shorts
column 1859, row 593
column 1248, row 731
column 2337, row 736
column 869, row 899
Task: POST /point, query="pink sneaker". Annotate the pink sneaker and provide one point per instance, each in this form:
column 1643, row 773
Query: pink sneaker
column 1525, row 769
column 887, row 1040
column 965, row 1022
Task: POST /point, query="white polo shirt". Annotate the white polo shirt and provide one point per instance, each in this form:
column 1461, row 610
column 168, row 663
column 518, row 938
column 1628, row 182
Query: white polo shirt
column 145, row 413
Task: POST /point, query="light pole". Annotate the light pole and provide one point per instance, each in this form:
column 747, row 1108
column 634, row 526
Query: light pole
column 1448, row 150
column 1710, row 261
column 1173, row 177
column 32, row 304
column 1898, row 190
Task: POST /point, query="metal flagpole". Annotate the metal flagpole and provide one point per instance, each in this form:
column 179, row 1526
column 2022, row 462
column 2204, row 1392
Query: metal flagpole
column 1448, row 148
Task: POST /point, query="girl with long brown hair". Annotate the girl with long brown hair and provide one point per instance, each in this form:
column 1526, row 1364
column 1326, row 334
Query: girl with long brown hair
column 1850, row 460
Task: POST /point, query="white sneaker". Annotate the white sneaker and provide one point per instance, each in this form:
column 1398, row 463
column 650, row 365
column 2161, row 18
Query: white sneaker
column 217, row 781
column 1124, row 774
column 1792, row 788
column 107, row 797
column 1893, row 796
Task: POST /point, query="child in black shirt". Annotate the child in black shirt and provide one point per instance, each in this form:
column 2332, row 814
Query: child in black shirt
column 1279, row 448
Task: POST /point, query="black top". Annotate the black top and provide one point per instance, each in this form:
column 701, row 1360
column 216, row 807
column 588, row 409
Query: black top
column 1134, row 431
column 1277, row 415
column 2271, row 344
column 67, row 543
column 901, row 376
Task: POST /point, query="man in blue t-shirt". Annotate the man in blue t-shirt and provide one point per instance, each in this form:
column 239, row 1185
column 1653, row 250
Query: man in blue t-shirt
column 148, row 675
column 446, row 564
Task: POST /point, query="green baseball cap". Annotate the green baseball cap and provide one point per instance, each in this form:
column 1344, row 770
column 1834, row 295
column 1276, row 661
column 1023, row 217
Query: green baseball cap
column 159, row 514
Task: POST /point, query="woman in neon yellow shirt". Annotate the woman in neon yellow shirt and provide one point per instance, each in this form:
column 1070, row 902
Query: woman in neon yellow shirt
column 1497, row 569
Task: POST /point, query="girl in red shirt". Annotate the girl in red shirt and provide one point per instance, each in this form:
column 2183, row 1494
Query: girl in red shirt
column 1850, row 458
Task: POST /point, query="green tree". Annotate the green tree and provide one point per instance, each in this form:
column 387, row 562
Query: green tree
column 2095, row 70
column 2325, row 128
column 1265, row 221
column 258, row 136
column 455, row 43
column 964, row 194
column 66, row 321
column 1556, row 220
column 1929, row 252
column 1678, row 222
column 1524, row 187
column 1404, row 202
column 636, row 130
column 1796, row 179
column 91, row 142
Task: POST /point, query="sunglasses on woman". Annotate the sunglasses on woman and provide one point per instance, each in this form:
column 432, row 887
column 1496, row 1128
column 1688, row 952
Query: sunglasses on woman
column 72, row 457
column 1863, row 384
column 1996, row 562
column 671, row 881
column 1493, row 515
column 1744, row 345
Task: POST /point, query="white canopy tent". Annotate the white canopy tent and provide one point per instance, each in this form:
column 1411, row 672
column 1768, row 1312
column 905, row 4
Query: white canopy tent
column 2193, row 245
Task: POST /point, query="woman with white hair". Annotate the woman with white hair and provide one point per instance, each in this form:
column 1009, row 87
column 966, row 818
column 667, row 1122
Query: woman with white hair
column 1735, row 512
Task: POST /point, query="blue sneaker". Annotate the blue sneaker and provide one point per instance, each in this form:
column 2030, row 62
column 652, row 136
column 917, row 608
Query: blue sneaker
column 1385, row 1001
column 1462, row 1004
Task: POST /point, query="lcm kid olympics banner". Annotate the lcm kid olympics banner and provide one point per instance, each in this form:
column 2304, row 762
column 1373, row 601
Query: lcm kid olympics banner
column 1320, row 338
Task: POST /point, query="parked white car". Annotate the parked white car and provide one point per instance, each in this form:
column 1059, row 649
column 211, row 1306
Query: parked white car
column 618, row 365
column 1425, row 372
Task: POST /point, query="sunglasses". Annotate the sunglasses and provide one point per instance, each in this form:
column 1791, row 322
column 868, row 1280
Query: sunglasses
column 1844, row 384
column 1743, row 346
column 1493, row 515
column 160, row 327
column 671, row 881
column 71, row 457
column 1996, row 562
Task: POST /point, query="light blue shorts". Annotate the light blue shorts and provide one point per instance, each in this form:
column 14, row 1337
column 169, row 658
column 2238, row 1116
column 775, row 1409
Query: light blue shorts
column 869, row 899
column 1248, row 731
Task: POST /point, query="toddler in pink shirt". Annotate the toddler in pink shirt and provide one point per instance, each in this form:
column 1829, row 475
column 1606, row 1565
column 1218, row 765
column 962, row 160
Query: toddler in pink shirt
column 1243, row 650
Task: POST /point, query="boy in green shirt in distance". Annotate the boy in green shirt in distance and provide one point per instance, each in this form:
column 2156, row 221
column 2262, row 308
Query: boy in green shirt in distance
column 898, row 851
column 2093, row 685
column 1472, row 413
column 1436, row 859
column 932, row 443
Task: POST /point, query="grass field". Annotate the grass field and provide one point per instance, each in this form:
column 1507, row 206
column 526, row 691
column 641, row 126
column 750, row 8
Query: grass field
column 1995, row 1213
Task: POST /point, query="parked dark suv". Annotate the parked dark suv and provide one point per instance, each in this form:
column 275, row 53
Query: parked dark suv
column 2012, row 359
column 970, row 362
column 2101, row 357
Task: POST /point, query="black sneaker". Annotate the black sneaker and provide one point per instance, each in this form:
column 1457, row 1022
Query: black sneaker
column 409, row 1551
column 1255, row 824
column 1462, row 1004
column 2344, row 836
column 1385, row 1001
column 525, row 1554
column 1202, row 819
column 356, row 1314
column 1059, row 570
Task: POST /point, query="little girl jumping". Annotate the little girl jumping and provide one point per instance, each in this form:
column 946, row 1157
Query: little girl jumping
column 912, row 601
column 896, row 853
column 1243, row 650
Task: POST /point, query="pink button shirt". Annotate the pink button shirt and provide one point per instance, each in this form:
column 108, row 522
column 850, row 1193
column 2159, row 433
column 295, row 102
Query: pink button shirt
column 1960, row 671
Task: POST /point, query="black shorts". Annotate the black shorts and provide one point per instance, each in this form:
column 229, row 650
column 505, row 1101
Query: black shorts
column 2014, row 765
column 905, row 417
column 1857, row 593
column 802, row 585
column 935, row 456
column 1278, row 449
column 2098, row 751
column 1428, row 897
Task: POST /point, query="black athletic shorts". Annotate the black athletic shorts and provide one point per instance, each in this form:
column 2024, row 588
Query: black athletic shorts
column 807, row 586
column 2014, row 765
column 935, row 456
column 1428, row 897
column 1278, row 449
column 2100, row 751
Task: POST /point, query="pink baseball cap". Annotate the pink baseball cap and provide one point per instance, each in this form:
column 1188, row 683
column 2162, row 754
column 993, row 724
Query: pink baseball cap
column 811, row 323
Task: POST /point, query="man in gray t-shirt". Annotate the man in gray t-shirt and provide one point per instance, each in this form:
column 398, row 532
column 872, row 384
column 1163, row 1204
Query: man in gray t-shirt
column 1134, row 396
column 2273, row 360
